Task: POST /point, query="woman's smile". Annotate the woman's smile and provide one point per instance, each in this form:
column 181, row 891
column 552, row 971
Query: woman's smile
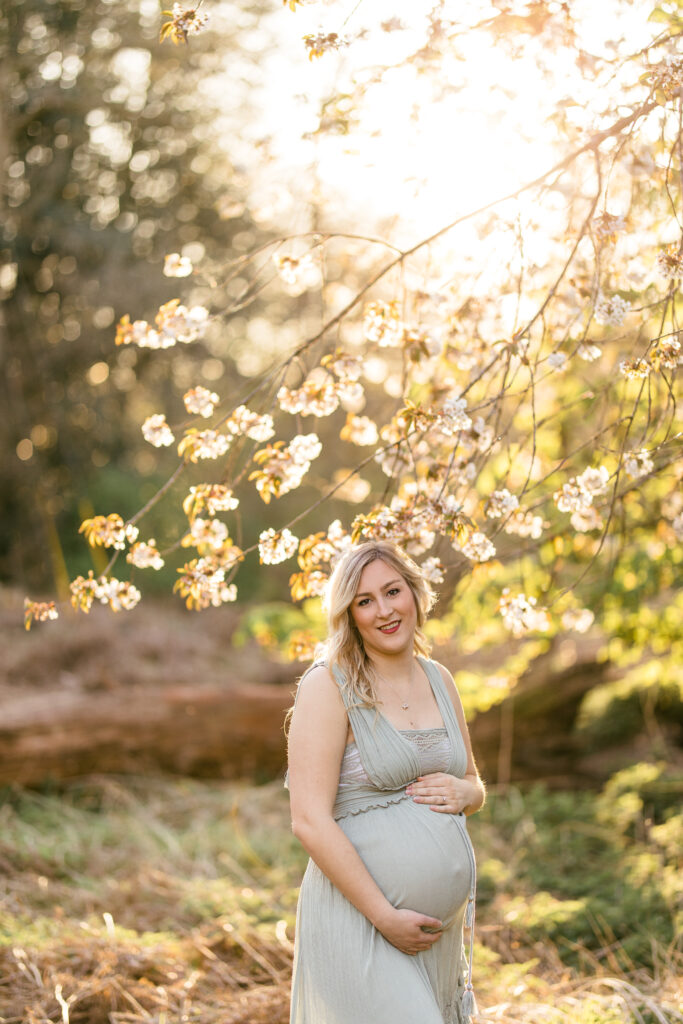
column 390, row 628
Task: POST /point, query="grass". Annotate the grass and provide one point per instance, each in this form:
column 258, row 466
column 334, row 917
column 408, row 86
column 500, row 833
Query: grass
column 165, row 900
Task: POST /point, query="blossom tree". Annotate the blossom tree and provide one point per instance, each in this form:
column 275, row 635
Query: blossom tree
column 496, row 393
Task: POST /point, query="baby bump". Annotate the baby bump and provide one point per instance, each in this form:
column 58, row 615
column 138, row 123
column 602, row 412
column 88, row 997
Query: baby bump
column 420, row 859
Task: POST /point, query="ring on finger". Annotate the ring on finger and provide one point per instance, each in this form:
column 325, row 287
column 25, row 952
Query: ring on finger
column 443, row 799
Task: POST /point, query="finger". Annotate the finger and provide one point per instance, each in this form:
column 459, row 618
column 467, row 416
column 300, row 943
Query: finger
column 431, row 922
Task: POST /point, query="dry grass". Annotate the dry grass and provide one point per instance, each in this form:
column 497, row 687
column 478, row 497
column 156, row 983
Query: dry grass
column 155, row 900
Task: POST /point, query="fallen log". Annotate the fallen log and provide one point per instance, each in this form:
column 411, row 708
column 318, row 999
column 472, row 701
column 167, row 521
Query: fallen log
column 207, row 731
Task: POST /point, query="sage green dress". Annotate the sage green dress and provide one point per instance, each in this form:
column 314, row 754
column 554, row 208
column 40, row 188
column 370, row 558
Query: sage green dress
column 345, row 971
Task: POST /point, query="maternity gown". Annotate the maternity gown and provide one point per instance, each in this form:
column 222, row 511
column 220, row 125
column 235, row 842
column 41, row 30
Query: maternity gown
column 345, row 971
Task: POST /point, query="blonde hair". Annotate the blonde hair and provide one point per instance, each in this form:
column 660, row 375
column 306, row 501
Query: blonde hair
column 344, row 648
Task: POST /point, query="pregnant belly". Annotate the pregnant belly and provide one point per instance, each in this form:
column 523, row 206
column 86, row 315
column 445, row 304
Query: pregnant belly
column 419, row 858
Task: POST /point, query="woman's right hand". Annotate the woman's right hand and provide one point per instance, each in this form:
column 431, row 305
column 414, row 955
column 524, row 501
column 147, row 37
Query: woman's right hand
column 405, row 930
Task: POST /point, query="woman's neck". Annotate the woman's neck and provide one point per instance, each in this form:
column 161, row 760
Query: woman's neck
column 395, row 666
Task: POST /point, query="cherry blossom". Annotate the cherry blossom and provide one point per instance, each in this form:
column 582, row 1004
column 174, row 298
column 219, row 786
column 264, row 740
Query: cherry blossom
column 108, row 531
column 578, row 619
column 145, row 555
column 478, row 547
column 203, row 444
column 156, row 430
column 38, row 611
column 611, row 310
column 257, row 426
column 557, row 361
column 638, row 464
column 118, row 594
column 176, row 265
column 200, row 401
column 283, row 468
column 202, row 583
column 212, row 497
column 360, row 430
column 520, row 613
column 501, row 503
column 276, row 546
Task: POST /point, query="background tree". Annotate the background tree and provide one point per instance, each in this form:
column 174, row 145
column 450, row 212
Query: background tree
column 494, row 389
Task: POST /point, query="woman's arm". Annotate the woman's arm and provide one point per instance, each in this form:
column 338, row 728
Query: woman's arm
column 466, row 794
column 317, row 738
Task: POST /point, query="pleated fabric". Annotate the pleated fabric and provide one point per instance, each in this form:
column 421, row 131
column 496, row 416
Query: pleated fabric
column 345, row 971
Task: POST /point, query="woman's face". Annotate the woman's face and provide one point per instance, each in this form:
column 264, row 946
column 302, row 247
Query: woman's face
column 384, row 610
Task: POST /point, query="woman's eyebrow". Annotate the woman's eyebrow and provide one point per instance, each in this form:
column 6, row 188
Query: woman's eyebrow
column 384, row 587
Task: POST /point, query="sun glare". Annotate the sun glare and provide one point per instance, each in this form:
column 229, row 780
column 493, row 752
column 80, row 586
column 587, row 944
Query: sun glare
column 420, row 149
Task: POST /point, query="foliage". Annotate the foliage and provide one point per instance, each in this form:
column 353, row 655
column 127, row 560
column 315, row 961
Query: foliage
column 503, row 386
column 105, row 167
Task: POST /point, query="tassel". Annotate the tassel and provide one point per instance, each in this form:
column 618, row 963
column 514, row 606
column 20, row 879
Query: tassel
column 468, row 1005
column 469, row 913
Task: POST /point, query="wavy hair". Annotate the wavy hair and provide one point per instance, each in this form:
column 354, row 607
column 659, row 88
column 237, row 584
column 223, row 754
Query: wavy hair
column 344, row 647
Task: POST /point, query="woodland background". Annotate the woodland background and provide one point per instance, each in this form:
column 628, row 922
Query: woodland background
column 148, row 869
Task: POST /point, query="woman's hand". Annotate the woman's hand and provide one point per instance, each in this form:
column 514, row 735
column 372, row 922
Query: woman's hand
column 405, row 930
column 445, row 793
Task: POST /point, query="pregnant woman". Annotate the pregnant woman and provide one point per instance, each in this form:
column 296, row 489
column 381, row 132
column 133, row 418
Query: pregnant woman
column 381, row 777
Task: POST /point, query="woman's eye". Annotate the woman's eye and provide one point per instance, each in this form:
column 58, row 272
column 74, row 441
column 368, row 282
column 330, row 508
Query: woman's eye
column 394, row 590
column 363, row 601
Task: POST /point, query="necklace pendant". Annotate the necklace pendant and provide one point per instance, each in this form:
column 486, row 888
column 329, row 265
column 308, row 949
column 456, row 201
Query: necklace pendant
column 404, row 707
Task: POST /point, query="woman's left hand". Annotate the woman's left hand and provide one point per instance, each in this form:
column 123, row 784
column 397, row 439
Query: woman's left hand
column 445, row 793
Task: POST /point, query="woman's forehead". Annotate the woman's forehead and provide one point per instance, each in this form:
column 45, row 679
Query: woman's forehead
column 377, row 574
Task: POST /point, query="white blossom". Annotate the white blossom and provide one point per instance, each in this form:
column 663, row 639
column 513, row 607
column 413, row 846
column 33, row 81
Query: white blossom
column 156, row 430
column 611, row 311
column 578, row 619
column 276, row 546
column 304, row 448
column 523, row 523
column 313, row 398
column 670, row 262
column 176, row 265
column 638, row 464
column 202, row 583
column 588, row 352
column 213, row 497
column 433, row 571
column 635, row 369
column 200, row 401
column 594, row 480
column 557, row 360
column 572, row 498
column 585, row 519
column 520, row 613
column 204, row 444
column 501, row 503
column 257, row 426
column 145, row 555
column 211, row 533
column 453, row 416
column 478, row 548
column 360, row 430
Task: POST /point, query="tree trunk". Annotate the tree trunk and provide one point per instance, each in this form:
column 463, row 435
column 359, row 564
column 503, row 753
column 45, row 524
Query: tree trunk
column 210, row 731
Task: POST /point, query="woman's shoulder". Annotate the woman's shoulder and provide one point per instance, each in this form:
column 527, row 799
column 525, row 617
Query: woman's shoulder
column 318, row 690
column 439, row 670
column 316, row 672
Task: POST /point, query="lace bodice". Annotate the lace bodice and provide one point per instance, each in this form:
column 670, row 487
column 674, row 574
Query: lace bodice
column 432, row 747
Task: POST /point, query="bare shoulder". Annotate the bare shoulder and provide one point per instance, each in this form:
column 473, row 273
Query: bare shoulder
column 318, row 693
column 319, row 724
